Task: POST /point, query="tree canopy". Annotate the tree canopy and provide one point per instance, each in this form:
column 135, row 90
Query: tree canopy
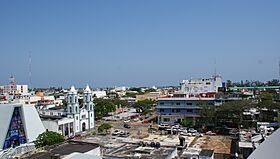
column 103, row 107
column 269, row 104
column 103, row 127
column 48, row 138
column 144, row 105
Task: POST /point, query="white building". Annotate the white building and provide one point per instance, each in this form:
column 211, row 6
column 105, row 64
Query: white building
column 74, row 119
column 84, row 117
column 19, row 124
column 13, row 88
column 63, row 126
column 99, row 94
column 201, row 85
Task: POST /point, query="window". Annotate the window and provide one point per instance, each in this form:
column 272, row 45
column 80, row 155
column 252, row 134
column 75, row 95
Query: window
column 161, row 110
column 177, row 103
column 208, row 83
column 77, row 118
column 189, row 103
column 189, row 110
column 51, row 113
column 166, row 119
column 178, row 110
column 173, row 110
column 60, row 128
column 70, row 110
column 91, row 114
column 76, row 109
column 59, row 114
column 161, row 103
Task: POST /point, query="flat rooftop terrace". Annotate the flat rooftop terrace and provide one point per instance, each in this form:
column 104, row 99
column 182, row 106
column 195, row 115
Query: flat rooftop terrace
column 64, row 150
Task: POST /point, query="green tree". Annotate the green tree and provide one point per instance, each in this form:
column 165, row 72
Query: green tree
column 48, row 138
column 273, row 82
column 207, row 114
column 122, row 103
column 139, row 90
column 268, row 95
column 187, row 122
column 132, row 95
column 144, row 104
column 232, row 112
column 103, row 127
column 269, row 104
column 103, row 107
column 229, row 83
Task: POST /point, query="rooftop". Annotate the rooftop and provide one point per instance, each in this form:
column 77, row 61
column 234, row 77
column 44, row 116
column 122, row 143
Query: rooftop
column 64, row 149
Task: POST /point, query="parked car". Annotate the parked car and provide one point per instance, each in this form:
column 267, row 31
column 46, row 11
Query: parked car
column 116, row 132
column 192, row 130
column 127, row 126
column 163, row 126
column 126, row 121
column 136, row 119
column 210, row 133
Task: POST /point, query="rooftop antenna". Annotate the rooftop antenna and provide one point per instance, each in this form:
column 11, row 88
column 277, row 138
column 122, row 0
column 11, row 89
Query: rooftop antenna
column 215, row 69
column 12, row 79
column 30, row 60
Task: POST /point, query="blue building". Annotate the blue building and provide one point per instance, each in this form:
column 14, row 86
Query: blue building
column 173, row 110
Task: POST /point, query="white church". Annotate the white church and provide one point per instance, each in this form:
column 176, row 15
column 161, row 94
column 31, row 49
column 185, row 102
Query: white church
column 75, row 119
column 83, row 117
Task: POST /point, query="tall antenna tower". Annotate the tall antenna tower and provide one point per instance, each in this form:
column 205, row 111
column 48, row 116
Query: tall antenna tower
column 279, row 75
column 215, row 68
column 279, row 68
column 30, row 82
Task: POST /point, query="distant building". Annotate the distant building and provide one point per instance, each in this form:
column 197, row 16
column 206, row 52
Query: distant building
column 201, row 85
column 13, row 88
column 19, row 124
column 149, row 96
column 99, row 94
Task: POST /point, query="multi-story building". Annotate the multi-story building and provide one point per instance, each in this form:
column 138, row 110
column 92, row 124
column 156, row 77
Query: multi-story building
column 173, row 110
column 13, row 88
column 187, row 102
column 201, row 85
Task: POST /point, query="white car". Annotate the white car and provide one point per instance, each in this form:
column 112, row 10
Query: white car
column 136, row 119
column 126, row 121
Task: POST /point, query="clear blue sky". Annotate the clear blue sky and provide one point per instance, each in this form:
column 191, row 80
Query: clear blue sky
column 138, row 43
